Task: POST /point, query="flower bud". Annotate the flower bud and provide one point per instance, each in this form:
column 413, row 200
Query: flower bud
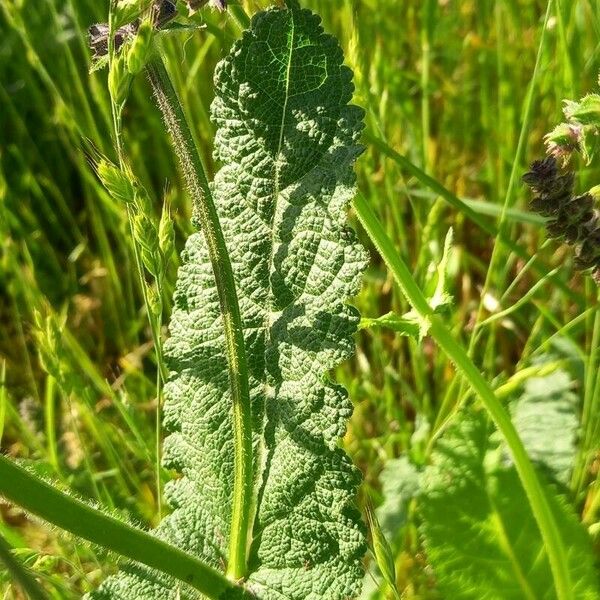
column 573, row 219
column 563, row 139
column 167, row 10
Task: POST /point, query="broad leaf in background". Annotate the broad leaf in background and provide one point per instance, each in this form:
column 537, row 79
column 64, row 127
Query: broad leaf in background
column 545, row 416
column 400, row 483
column 287, row 139
column 479, row 533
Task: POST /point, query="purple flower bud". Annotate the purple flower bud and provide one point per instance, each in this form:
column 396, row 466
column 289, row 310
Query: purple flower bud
column 572, row 219
column 166, row 11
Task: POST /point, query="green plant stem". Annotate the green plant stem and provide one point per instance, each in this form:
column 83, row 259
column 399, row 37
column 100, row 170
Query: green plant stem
column 116, row 112
column 206, row 215
column 427, row 25
column 161, row 370
column 20, row 573
column 566, row 59
column 439, row 332
column 40, row 498
column 50, row 425
column 239, row 14
column 158, row 417
column 3, row 398
column 591, row 402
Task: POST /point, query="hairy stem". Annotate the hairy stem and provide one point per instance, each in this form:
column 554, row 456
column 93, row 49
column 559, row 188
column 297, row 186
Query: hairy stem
column 457, row 354
column 41, row 499
column 207, row 217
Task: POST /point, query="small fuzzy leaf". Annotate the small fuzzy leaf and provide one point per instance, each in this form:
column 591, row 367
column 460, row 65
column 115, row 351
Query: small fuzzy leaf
column 441, row 298
column 400, row 482
column 586, row 111
column 407, row 325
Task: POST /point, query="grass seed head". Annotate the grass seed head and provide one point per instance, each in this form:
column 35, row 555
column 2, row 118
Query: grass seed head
column 139, row 49
column 119, row 80
column 118, row 184
column 146, row 235
column 166, row 235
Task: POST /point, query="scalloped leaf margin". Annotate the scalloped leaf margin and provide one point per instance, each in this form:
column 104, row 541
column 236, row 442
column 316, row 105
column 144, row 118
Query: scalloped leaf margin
column 288, row 140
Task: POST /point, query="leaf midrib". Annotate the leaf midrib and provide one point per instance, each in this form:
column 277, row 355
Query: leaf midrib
column 505, row 544
column 269, row 302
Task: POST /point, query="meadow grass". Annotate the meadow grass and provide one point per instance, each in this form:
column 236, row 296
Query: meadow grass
column 457, row 96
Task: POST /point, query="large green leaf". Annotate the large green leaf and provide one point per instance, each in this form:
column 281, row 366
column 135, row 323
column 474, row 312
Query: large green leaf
column 287, row 139
column 480, row 535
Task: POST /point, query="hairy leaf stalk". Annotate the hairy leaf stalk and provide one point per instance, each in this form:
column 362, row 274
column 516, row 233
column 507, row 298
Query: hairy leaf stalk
column 42, row 499
column 205, row 215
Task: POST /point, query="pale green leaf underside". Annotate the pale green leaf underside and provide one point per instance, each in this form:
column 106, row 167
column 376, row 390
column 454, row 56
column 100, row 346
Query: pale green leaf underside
column 545, row 416
column 400, row 483
column 480, row 535
column 287, row 139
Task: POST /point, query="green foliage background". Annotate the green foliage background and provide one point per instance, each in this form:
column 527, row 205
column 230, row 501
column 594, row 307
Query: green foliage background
column 443, row 82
